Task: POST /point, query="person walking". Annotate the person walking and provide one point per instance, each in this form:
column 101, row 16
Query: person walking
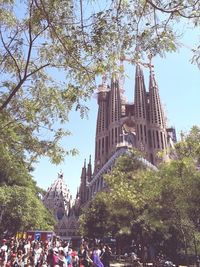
column 105, row 256
column 96, row 257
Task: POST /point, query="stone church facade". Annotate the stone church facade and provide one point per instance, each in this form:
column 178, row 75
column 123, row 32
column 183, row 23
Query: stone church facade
column 120, row 125
column 59, row 202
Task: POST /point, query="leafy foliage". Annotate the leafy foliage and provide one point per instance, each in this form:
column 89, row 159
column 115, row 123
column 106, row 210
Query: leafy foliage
column 92, row 221
column 52, row 51
column 50, row 54
column 159, row 207
column 23, row 210
column 19, row 195
column 190, row 145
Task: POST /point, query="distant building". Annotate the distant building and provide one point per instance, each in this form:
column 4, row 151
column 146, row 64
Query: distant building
column 59, row 201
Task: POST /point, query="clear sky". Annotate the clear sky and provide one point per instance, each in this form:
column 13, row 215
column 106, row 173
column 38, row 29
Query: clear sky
column 179, row 86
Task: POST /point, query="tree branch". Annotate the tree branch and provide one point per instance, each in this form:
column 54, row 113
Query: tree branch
column 10, row 54
column 8, row 45
column 59, row 38
column 82, row 24
column 6, row 102
column 14, row 91
column 30, row 42
column 175, row 9
column 38, row 69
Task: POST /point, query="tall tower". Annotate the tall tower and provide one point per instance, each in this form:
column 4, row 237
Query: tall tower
column 140, row 110
column 157, row 134
column 89, row 171
column 143, row 123
column 101, row 141
column 115, row 105
column 122, row 125
column 83, row 184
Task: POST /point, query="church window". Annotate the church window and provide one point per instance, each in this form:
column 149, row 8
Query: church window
column 116, row 135
column 149, row 138
column 99, row 147
column 99, row 122
column 136, row 110
column 157, row 138
column 161, row 138
column 154, row 144
column 112, row 109
column 106, row 144
column 155, row 114
column 112, row 137
column 60, row 213
column 103, row 122
column 141, row 132
column 140, row 111
column 116, row 112
column 145, row 133
column 102, row 145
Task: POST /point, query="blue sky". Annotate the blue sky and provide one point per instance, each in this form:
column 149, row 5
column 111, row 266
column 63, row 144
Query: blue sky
column 179, row 85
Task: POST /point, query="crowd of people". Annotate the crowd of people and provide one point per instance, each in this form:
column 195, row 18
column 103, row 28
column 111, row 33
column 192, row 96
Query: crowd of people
column 26, row 253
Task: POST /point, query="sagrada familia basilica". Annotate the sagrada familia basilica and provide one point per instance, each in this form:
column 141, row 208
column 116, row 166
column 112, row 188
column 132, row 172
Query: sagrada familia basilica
column 120, row 125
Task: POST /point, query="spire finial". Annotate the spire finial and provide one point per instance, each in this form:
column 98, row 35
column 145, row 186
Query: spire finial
column 104, row 78
column 60, row 174
column 150, row 65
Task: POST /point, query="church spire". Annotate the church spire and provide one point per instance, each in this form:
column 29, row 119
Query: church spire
column 157, row 125
column 140, row 110
column 140, row 94
column 115, row 103
column 114, row 100
column 156, row 111
column 102, row 124
column 83, row 183
column 89, row 171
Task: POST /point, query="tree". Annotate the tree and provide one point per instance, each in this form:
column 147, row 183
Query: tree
column 114, row 213
column 189, row 146
column 157, row 207
column 23, row 211
column 52, row 51
column 18, row 192
column 94, row 221
column 50, row 55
